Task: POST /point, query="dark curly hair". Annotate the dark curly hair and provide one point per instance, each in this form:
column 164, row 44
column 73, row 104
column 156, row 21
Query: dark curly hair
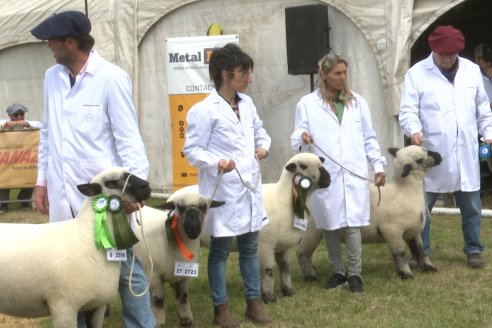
column 227, row 58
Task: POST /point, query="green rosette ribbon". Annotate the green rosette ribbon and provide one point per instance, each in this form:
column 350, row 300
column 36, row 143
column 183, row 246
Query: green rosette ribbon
column 300, row 189
column 123, row 232
column 102, row 234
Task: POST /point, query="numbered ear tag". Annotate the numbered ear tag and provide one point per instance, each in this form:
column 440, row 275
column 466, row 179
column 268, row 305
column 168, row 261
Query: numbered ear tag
column 300, row 224
column 116, row 255
column 186, row 269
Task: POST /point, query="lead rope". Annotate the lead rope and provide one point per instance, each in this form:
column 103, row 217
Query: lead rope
column 247, row 185
column 140, row 222
column 346, row 169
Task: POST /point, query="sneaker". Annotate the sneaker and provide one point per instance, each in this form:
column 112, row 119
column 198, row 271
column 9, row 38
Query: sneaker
column 355, row 284
column 475, row 261
column 335, row 280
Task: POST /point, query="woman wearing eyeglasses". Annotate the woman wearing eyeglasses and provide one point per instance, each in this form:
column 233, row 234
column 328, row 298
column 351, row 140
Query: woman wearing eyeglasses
column 225, row 140
column 338, row 121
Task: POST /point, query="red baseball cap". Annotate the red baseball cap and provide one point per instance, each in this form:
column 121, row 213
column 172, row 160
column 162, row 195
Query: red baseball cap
column 446, row 40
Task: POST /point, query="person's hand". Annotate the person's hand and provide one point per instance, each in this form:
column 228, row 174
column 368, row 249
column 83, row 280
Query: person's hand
column 417, row 139
column 380, row 179
column 226, row 165
column 261, row 153
column 41, row 199
column 307, row 138
column 130, row 207
column 488, row 141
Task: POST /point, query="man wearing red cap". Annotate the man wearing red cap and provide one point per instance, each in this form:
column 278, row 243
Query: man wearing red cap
column 443, row 108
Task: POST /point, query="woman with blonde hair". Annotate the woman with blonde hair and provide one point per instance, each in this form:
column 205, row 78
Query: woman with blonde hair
column 334, row 121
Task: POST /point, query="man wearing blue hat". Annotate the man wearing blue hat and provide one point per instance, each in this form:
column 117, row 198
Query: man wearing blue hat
column 89, row 124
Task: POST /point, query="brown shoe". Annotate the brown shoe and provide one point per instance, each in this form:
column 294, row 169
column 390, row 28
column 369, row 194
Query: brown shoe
column 254, row 312
column 224, row 318
column 475, row 261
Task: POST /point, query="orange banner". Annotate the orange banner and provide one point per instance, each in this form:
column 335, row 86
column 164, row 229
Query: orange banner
column 183, row 173
column 18, row 159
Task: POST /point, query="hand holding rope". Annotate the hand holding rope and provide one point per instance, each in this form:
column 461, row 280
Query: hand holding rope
column 380, row 177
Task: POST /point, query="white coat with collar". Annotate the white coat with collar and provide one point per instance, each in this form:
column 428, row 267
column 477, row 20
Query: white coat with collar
column 214, row 132
column 86, row 128
column 450, row 117
column 345, row 203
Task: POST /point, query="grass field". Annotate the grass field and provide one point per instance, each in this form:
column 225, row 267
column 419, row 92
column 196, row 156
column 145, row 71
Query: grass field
column 456, row 296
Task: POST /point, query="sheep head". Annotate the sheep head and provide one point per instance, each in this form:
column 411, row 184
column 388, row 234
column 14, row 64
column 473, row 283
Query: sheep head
column 308, row 165
column 414, row 158
column 191, row 209
column 112, row 181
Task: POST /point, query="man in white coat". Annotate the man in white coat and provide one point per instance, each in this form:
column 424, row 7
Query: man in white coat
column 444, row 107
column 89, row 124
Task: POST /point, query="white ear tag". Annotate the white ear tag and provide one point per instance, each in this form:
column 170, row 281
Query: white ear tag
column 300, row 224
column 115, row 255
column 186, row 269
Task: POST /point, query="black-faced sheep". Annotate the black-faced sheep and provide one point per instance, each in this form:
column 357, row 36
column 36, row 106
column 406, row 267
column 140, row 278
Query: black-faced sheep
column 396, row 220
column 187, row 212
column 279, row 236
column 55, row 268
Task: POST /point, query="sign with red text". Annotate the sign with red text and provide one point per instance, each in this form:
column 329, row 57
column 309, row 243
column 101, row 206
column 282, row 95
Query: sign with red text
column 18, row 159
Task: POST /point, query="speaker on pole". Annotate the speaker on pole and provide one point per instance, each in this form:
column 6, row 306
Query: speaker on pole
column 307, row 34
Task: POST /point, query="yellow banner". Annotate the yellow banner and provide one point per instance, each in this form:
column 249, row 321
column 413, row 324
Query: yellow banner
column 18, row 158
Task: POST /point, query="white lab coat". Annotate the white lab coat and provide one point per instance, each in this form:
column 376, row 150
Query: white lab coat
column 86, row 128
column 214, row 132
column 450, row 118
column 345, row 203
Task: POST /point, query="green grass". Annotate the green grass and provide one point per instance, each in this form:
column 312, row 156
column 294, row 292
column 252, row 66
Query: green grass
column 456, row 296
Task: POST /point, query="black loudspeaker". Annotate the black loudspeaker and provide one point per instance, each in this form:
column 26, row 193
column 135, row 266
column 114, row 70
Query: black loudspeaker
column 307, row 34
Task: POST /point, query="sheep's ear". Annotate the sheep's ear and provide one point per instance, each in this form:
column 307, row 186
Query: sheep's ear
column 393, row 151
column 168, row 205
column 216, row 203
column 406, row 170
column 322, row 159
column 291, row 167
column 90, row 189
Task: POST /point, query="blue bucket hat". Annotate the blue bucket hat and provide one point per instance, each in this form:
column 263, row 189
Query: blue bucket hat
column 62, row 25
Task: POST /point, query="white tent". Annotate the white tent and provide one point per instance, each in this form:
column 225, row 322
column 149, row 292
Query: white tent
column 375, row 36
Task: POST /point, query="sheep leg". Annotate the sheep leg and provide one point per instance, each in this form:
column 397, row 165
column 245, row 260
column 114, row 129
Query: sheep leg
column 182, row 305
column 266, row 274
column 283, row 261
column 397, row 249
column 64, row 315
column 157, row 299
column 307, row 245
column 417, row 249
column 96, row 317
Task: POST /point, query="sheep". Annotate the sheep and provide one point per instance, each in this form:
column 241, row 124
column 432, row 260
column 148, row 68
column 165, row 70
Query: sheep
column 279, row 236
column 190, row 210
column 56, row 268
column 396, row 220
